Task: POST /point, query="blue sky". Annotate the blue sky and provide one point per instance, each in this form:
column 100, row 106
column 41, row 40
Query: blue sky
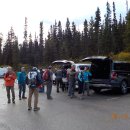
column 13, row 12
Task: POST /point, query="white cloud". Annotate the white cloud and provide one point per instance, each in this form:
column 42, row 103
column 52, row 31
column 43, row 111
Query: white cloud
column 13, row 12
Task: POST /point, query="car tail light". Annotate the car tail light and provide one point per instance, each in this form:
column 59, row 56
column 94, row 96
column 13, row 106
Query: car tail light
column 114, row 75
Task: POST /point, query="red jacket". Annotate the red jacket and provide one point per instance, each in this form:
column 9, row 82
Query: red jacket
column 9, row 79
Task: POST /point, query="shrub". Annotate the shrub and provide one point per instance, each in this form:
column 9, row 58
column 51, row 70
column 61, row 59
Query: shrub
column 123, row 56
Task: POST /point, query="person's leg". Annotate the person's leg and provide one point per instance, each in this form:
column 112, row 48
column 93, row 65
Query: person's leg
column 20, row 91
column 30, row 98
column 73, row 88
column 79, row 87
column 36, row 100
column 61, row 85
column 24, row 90
column 87, row 88
column 57, row 84
column 70, row 89
column 13, row 94
column 49, row 89
column 8, row 94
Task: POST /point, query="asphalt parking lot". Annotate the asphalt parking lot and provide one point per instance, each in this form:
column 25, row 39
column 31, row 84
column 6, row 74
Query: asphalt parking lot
column 105, row 111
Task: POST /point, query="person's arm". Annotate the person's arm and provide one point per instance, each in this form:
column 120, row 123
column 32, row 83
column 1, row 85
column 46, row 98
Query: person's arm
column 6, row 77
column 90, row 74
column 79, row 76
column 13, row 76
column 19, row 78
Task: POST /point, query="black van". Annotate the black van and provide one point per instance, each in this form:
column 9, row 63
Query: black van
column 109, row 74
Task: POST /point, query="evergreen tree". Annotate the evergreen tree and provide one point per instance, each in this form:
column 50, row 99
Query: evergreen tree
column 67, row 44
column 15, row 53
column 0, row 49
column 97, row 30
column 107, row 31
column 85, row 40
column 41, row 44
column 127, row 32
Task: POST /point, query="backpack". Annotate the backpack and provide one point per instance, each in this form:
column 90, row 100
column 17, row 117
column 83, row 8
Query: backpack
column 33, row 80
column 46, row 75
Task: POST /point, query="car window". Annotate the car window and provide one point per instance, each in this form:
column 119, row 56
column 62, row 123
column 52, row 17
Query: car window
column 122, row 66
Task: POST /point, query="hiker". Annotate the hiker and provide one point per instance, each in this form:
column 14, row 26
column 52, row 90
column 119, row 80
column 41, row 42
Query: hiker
column 81, row 82
column 58, row 74
column 34, row 82
column 71, row 88
column 41, row 89
column 86, row 76
column 22, row 83
column 47, row 77
column 64, row 79
column 9, row 83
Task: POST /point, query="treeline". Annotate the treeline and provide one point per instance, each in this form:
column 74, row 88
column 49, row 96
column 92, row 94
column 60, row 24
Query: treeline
column 107, row 36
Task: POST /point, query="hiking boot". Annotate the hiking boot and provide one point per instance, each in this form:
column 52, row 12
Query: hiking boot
column 50, row 98
column 37, row 109
column 9, row 101
column 30, row 108
column 20, row 98
column 58, row 91
column 13, row 102
column 24, row 97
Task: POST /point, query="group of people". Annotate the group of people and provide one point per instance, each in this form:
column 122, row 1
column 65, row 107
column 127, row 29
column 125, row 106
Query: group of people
column 36, row 80
column 67, row 79
column 33, row 79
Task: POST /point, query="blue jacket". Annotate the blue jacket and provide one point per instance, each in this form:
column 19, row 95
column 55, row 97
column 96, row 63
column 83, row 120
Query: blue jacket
column 80, row 77
column 21, row 78
column 86, row 75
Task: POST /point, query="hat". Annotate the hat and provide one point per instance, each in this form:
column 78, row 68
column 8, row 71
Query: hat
column 49, row 67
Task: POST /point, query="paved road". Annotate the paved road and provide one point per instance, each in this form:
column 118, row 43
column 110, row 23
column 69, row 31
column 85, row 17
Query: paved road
column 106, row 111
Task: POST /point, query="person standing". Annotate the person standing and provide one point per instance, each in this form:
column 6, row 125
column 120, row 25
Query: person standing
column 34, row 82
column 86, row 75
column 41, row 89
column 47, row 77
column 64, row 79
column 58, row 74
column 22, row 83
column 71, row 88
column 9, row 83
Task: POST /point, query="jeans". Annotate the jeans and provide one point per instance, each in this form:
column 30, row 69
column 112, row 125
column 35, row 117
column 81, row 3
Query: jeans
column 86, row 87
column 49, row 88
column 59, row 84
column 8, row 88
column 81, row 86
column 71, row 88
column 31, row 92
column 22, row 90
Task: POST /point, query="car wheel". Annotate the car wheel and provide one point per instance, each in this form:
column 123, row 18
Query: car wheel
column 97, row 90
column 124, row 87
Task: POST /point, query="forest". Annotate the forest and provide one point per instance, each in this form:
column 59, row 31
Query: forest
column 108, row 36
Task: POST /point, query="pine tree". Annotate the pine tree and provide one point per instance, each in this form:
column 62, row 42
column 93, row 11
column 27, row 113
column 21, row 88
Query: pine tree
column 85, row 39
column 127, row 32
column 67, row 45
column 24, row 46
column 97, row 30
column 1, row 49
column 41, row 44
column 15, row 53
column 107, row 31
column 36, row 51
column 91, row 45
column 8, row 48
column 115, row 33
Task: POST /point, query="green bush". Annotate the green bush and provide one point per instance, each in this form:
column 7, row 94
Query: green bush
column 123, row 56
